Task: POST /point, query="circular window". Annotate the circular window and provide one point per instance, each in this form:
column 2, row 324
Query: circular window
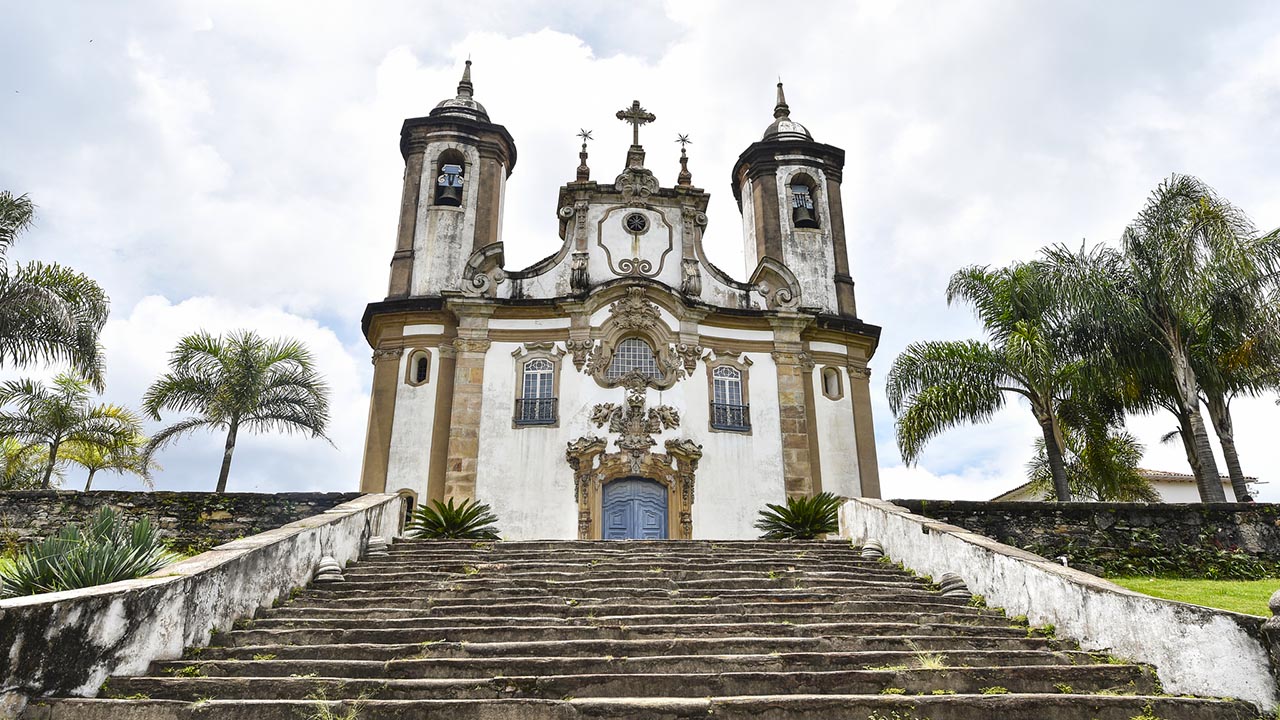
column 635, row 223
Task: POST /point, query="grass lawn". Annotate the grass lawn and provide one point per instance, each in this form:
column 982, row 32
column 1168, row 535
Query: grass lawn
column 1244, row 596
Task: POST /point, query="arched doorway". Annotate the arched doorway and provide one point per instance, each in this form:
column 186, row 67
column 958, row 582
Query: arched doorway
column 634, row 508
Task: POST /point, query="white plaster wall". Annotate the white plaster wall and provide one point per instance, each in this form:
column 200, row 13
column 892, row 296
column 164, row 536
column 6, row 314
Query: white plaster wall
column 522, row 472
column 1174, row 492
column 443, row 236
column 409, row 461
column 738, row 473
column 652, row 245
column 837, row 446
column 810, row 254
column 1195, row 650
column 528, row 323
column 712, row 331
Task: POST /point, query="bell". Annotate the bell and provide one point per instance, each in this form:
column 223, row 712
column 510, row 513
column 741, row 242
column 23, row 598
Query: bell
column 803, row 217
column 449, row 194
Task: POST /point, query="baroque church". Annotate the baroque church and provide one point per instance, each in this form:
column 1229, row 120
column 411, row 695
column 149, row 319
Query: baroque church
column 623, row 387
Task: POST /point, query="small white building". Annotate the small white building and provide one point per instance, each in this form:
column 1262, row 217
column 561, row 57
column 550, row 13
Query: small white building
column 624, row 386
column 1172, row 487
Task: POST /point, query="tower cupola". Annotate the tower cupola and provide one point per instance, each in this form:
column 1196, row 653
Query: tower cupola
column 783, row 127
column 465, row 104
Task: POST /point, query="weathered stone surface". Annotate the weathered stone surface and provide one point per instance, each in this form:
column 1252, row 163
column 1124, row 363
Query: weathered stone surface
column 191, row 521
column 578, row 630
column 1055, row 528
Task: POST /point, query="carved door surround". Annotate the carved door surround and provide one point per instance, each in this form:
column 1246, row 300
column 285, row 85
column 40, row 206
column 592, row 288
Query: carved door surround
column 635, row 426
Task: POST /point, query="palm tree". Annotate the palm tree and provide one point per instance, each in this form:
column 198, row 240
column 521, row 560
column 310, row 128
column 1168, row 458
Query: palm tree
column 21, row 465
column 933, row 386
column 61, row 414
column 238, row 381
column 1186, row 262
column 124, row 458
column 48, row 313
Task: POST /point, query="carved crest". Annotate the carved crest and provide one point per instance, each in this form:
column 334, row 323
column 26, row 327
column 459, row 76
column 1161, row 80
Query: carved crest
column 634, row 424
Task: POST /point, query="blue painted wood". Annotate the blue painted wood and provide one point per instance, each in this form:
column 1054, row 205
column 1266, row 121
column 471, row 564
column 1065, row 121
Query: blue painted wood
column 634, row 508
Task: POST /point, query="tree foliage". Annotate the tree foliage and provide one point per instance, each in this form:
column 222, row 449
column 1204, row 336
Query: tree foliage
column 48, row 313
column 59, row 414
column 934, row 386
column 21, row 464
column 236, row 382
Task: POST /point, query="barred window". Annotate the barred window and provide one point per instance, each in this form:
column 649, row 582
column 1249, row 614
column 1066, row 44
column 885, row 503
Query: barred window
column 728, row 385
column 539, row 382
column 633, row 354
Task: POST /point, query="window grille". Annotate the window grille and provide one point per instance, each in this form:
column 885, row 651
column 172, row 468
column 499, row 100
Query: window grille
column 537, row 406
column 728, row 412
column 633, row 354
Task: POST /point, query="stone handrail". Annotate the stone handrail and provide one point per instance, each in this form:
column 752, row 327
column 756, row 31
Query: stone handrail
column 68, row 643
column 1195, row 650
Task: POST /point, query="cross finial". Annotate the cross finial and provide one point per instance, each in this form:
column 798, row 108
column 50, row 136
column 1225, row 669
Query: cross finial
column 636, row 116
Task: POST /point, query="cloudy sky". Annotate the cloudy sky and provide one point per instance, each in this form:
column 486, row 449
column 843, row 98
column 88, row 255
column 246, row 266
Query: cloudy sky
column 236, row 164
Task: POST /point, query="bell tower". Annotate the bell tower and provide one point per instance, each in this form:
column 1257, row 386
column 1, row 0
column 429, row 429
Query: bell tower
column 456, row 167
column 788, row 190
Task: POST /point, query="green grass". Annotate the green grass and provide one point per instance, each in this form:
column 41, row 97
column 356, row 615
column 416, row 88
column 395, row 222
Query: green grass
column 1243, row 596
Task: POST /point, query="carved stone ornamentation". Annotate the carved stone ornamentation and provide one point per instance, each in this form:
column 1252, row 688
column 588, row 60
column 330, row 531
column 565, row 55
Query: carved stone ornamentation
column 578, row 279
column 387, row 354
column 636, row 184
column 471, row 345
column 580, row 349
column 635, row 311
column 689, row 355
column 549, row 348
column 691, row 278
column 483, row 272
column 860, row 371
column 801, row 359
column 635, row 425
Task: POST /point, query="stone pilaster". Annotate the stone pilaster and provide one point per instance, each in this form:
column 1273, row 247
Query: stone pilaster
column 864, row 431
column 402, row 260
column 382, row 412
column 794, row 367
column 470, row 346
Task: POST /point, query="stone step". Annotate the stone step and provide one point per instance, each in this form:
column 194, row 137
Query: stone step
column 453, row 564
column 1127, row 679
column 473, row 667
column 398, row 555
column 779, row 707
column 586, row 607
column 494, row 583
column 560, row 572
column 579, row 593
column 312, row 645
column 387, row 618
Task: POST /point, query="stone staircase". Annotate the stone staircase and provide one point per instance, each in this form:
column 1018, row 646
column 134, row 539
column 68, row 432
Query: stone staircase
column 569, row 630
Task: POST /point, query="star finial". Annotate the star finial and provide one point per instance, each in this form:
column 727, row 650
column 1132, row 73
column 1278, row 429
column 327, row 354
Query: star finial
column 584, row 172
column 685, row 179
column 585, row 135
column 683, row 140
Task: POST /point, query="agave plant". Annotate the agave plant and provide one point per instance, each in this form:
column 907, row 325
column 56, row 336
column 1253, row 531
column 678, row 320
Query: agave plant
column 108, row 550
column 469, row 520
column 802, row 518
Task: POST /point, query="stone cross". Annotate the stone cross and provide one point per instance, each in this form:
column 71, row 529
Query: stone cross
column 636, row 116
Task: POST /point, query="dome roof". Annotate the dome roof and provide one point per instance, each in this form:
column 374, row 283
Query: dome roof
column 783, row 127
column 465, row 104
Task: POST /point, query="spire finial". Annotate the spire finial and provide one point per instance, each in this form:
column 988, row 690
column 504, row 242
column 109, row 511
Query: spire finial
column 781, row 110
column 635, row 116
column 686, row 178
column 465, row 88
column 584, row 172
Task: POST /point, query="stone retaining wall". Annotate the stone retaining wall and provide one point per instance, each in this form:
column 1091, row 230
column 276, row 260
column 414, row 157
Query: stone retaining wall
column 1195, row 650
column 68, row 642
column 1053, row 529
column 192, row 521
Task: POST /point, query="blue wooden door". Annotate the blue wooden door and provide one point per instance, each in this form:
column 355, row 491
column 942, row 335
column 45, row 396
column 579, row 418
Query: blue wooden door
column 635, row 509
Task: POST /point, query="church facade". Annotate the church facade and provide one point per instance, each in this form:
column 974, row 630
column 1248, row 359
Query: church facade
column 623, row 387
